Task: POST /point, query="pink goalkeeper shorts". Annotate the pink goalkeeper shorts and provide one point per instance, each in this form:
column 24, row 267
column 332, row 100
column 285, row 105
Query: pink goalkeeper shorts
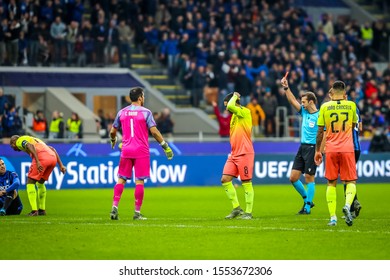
column 141, row 168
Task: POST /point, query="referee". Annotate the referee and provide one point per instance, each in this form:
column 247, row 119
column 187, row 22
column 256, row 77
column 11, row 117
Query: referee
column 304, row 159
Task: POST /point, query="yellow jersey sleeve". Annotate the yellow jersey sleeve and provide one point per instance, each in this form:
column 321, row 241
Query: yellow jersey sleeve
column 22, row 142
column 321, row 119
column 236, row 110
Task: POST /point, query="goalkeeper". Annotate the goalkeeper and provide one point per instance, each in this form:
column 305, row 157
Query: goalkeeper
column 135, row 121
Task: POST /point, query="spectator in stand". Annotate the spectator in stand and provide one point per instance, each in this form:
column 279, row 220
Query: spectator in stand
column 12, row 41
column 112, row 42
column 89, row 47
column 110, row 120
column 58, row 33
column 74, row 126
column 79, row 50
column 201, row 54
column 47, row 12
column 33, row 37
column 102, row 124
column 57, row 127
column 139, row 28
column 151, row 38
column 40, row 126
column 188, row 78
column 162, row 15
column 22, row 49
column 184, row 64
column 126, row 35
column 1, row 127
column 258, row 116
column 327, row 25
column 59, row 10
column 100, row 38
column 199, row 82
column 186, row 46
column 378, row 120
column 244, row 86
column 12, row 124
column 3, row 29
column 43, row 51
column 3, row 101
column 269, row 103
column 170, row 50
column 96, row 10
column 379, row 142
column 367, row 36
column 71, row 37
column 211, row 88
column 165, row 124
column 76, row 11
column 223, row 121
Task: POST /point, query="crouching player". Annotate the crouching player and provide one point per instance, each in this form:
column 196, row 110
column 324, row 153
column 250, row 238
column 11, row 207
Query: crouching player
column 44, row 159
column 10, row 203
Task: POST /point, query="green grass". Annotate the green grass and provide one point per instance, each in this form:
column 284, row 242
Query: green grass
column 188, row 224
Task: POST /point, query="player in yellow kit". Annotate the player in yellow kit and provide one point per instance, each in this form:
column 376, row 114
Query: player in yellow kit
column 339, row 117
column 241, row 159
column 44, row 159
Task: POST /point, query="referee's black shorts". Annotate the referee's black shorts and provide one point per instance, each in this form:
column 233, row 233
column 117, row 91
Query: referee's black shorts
column 304, row 159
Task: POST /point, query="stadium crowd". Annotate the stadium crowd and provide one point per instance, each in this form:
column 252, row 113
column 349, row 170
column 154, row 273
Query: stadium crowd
column 212, row 47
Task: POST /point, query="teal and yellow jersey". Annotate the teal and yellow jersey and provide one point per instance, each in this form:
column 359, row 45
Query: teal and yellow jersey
column 309, row 126
column 240, row 129
column 339, row 118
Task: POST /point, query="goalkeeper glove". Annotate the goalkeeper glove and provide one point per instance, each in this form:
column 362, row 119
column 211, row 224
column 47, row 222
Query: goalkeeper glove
column 167, row 150
column 113, row 142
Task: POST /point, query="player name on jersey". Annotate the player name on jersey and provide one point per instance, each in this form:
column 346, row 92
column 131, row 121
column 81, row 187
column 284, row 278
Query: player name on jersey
column 339, row 107
column 131, row 113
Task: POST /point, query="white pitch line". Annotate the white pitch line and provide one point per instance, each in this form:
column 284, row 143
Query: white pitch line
column 258, row 228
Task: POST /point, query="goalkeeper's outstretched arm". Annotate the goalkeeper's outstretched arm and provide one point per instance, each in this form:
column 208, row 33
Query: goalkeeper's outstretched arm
column 160, row 139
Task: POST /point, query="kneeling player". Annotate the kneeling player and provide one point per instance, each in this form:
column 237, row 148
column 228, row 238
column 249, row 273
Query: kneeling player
column 10, row 204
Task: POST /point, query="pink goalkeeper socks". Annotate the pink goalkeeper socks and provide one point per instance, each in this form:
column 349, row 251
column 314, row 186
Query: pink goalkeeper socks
column 139, row 196
column 118, row 190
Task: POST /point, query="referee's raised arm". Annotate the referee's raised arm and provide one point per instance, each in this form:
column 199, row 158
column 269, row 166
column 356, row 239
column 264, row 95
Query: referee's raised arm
column 290, row 96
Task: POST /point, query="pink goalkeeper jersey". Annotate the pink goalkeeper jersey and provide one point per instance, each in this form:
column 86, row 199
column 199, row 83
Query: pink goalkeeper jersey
column 135, row 122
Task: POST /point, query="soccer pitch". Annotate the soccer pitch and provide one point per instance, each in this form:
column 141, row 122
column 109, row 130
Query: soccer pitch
column 187, row 223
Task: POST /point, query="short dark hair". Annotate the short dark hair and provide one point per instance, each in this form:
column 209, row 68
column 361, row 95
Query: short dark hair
column 310, row 96
column 339, row 86
column 135, row 93
column 229, row 96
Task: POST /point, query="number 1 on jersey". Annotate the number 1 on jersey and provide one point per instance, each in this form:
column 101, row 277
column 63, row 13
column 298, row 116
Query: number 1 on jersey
column 132, row 127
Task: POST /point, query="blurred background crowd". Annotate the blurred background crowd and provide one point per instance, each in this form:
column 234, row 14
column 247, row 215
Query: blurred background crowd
column 211, row 48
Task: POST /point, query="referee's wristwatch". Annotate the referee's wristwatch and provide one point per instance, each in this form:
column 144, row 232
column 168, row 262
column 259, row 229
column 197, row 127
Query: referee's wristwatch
column 285, row 88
